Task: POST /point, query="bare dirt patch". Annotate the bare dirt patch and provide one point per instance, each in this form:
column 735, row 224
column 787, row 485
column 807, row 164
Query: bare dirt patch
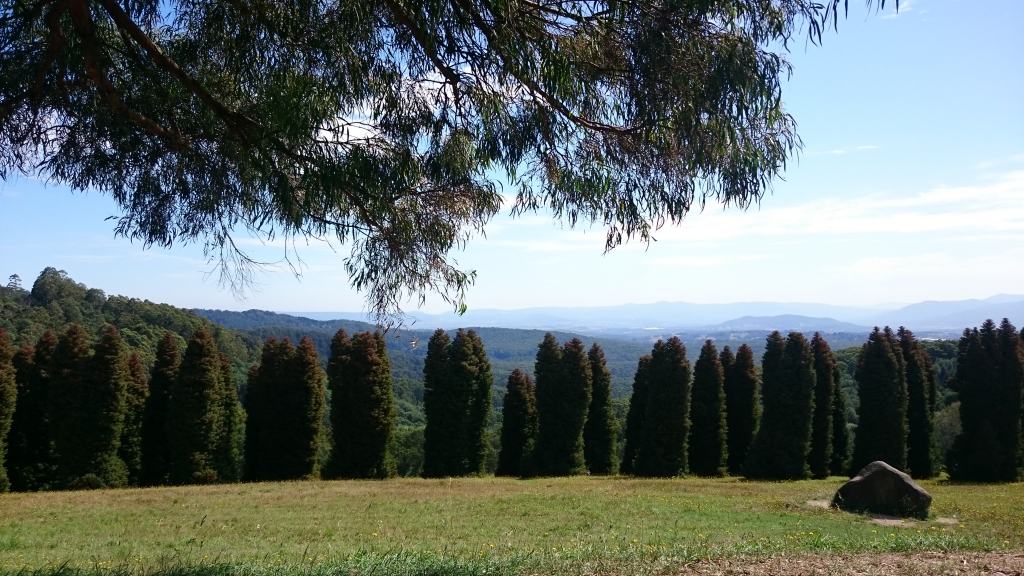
column 819, row 504
column 926, row 563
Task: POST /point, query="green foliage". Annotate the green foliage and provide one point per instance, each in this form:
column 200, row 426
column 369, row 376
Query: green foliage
column 882, row 415
column 920, row 377
column 194, row 417
column 8, row 399
column 989, row 374
column 130, row 446
column 839, row 464
column 362, row 407
column 663, row 449
column 820, row 457
column 31, row 456
column 518, row 426
column 102, row 403
column 783, row 440
column 470, row 377
column 708, row 430
column 229, row 456
column 563, row 399
column 156, row 425
column 286, row 402
column 441, row 409
column 743, row 404
column 195, row 133
column 599, row 446
column 636, row 414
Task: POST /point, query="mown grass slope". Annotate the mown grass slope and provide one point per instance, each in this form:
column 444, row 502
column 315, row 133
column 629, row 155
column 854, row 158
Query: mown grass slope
column 476, row 526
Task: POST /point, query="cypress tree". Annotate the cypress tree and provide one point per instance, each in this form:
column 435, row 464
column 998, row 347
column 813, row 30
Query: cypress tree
column 882, row 417
column 599, row 448
column 518, row 426
column 337, row 372
column 271, row 418
column 307, row 403
column 479, row 408
column 441, row 433
column 547, row 376
column 743, row 405
column 104, row 408
column 229, row 458
column 194, row 416
column 708, row 432
column 31, row 457
column 919, row 373
column 8, row 398
column 156, row 457
column 635, row 415
column 840, row 462
column 561, row 447
column 783, row 440
column 820, row 457
column 67, row 387
column 365, row 411
column 130, row 450
column 663, row 450
column 1010, row 402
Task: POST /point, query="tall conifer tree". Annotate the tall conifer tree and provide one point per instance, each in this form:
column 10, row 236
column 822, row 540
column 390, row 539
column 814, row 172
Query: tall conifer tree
column 820, row 457
column 840, row 461
column 599, row 448
column 441, row 433
column 882, row 417
column 478, row 410
column 272, row 416
column 8, row 398
column 229, row 458
column 708, row 432
column 67, row 387
column 363, row 406
column 518, row 426
column 194, row 416
column 130, row 449
column 308, row 403
column 784, row 438
column 156, row 457
column 1010, row 403
column 743, row 405
column 635, row 416
column 104, row 407
column 551, row 406
column 31, row 457
column 663, row 450
column 918, row 373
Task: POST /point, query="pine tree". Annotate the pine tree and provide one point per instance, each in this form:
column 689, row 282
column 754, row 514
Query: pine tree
column 156, row 457
column 518, row 426
column 364, row 410
column 840, row 462
column 743, row 405
column 820, row 457
column 307, row 404
column 337, row 371
column 194, row 416
column 104, row 408
column 882, row 417
column 478, row 410
column 31, row 457
column 663, row 450
column 270, row 409
column 561, row 446
column 635, row 416
column 71, row 364
column 229, row 457
column 8, row 398
column 130, row 449
column 783, row 440
column 599, row 448
column 441, row 433
column 918, row 373
column 547, row 376
column 708, row 432
column 1010, row 402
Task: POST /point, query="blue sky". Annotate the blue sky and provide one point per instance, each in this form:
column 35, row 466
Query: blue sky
column 910, row 187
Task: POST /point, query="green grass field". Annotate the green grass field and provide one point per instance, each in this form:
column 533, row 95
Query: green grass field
column 476, row 526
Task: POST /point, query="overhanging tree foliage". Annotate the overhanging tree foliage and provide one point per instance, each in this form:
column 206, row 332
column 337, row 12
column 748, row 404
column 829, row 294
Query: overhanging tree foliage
column 385, row 123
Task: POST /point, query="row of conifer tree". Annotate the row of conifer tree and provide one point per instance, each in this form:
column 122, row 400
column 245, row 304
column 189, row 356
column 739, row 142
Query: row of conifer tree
column 80, row 414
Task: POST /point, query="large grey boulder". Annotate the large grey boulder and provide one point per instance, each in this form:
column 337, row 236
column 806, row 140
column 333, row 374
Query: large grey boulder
column 882, row 489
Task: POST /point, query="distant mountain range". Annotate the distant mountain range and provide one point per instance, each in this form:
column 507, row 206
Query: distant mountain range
column 642, row 321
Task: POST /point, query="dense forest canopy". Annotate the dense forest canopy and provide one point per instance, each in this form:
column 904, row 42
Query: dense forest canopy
column 391, row 125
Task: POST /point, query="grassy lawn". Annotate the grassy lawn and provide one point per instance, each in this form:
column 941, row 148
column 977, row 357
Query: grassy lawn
column 478, row 526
